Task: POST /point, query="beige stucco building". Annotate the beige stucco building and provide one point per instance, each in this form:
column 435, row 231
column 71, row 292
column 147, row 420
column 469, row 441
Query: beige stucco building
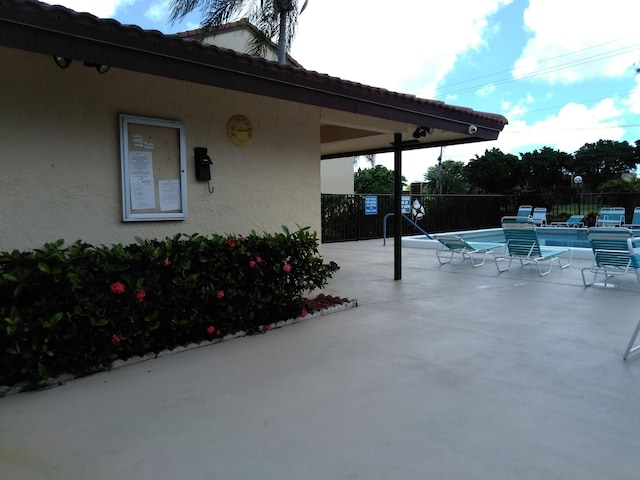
column 61, row 152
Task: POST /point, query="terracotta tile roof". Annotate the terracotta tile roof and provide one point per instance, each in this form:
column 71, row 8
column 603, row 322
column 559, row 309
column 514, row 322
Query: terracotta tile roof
column 55, row 30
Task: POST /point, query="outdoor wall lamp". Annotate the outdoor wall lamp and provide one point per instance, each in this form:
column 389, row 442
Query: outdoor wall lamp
column 422, row 131
column 99, row 68
column 61, row 61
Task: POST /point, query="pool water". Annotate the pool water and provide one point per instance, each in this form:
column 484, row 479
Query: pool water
column 548, row 236
column 575, row 238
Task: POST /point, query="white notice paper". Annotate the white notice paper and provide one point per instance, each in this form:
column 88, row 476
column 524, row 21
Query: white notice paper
column 141, row 180
column 169, row 194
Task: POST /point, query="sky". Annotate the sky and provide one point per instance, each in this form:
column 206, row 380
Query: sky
column 561, row 71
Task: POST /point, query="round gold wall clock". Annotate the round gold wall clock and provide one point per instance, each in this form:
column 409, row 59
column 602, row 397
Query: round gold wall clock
column 239, row 130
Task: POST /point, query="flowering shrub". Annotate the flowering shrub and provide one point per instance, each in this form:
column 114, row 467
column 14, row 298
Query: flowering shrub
column 77, row 308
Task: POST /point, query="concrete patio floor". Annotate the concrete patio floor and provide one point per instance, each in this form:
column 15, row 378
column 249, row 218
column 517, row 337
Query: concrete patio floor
column 450, row 373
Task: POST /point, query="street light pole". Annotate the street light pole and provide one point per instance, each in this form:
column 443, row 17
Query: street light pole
column 578, row 181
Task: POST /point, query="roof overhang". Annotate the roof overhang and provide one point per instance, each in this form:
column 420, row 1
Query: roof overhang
column 355, row 118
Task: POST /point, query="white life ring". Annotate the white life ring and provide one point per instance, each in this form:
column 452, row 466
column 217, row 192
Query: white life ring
column 417, row 210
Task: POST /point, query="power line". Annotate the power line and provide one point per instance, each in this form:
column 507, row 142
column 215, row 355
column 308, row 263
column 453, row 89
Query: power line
column 543, row 71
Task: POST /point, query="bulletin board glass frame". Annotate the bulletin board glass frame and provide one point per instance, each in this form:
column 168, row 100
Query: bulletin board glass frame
column 153, row 169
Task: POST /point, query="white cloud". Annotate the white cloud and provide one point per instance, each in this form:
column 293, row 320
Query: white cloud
column 633, row 102
column 99, row 8
column 158, row 11
column 408, row 49
column 572, row 42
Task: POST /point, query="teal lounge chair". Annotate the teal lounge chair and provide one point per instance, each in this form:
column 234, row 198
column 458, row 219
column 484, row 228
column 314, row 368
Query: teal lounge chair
column 574, row 221
column 610, row 217
column 635, row 221
column 539, row 216
column 455, row 245
column 610, row 253
column 523, row 245
column 633, row 244
column 524, row 212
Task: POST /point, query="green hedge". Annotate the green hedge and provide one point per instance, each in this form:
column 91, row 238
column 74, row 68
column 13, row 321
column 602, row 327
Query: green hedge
column 75, row 309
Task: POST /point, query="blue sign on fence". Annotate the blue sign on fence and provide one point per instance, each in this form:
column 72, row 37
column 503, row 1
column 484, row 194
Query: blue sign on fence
column 370, row 205
column 406, row 204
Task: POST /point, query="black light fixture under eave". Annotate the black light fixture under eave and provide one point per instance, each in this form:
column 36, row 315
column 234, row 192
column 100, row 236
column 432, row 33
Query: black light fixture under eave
column 99, row 68
column 62, row 62
column 422, row 131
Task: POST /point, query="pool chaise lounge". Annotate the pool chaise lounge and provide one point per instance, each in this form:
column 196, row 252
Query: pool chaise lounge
column 634, row 250
column 611, row 253
column 610, row 217
column 523, row 245
column 574, row 221
column 454, row 245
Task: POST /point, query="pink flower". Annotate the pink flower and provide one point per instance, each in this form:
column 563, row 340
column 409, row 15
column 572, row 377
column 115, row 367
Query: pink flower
column 220, row 294
column 266, row 328
column 217, row 332
column 165, row 262
column 286, row 267
column 304, row 312
column 140, row 294
column 252, row 264
column 230, row 243
column 241, row 238
column 258, row 260
column 117, row 287
column 115, row 338
column 210, row 329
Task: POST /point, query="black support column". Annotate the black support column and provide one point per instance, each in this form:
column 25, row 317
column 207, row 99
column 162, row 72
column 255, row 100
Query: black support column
column 397, row 206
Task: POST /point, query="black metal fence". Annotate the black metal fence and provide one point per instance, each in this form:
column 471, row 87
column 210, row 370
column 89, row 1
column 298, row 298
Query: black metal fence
column 344, row 217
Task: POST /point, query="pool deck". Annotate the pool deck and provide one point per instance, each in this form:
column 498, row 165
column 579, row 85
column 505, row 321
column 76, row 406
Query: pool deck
column 450, row 373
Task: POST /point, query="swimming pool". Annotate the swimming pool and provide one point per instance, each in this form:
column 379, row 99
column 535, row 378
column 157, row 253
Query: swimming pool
column 575, row 238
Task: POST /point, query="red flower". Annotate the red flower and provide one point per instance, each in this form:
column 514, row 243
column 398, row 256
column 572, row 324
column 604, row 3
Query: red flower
column 304, row 312
column 286, row 267
column 115, row 338
column 140, row 294
column 220, row 294
column 117, row 287
column 241, row 238
column 266, row 328
column 252, row 264
column 217, row 332
column 230, row 243
column 210, row 329
column 258, row 260
column 166, row 262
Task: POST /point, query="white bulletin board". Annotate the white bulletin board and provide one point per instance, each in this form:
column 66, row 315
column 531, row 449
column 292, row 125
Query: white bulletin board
column 153, row 167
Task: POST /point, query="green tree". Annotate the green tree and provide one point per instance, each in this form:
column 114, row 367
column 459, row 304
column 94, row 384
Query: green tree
column 602, row 161
column 273, row 19
column 545, row 169
column 454, row 177
column 494, row 172
column 378, row 179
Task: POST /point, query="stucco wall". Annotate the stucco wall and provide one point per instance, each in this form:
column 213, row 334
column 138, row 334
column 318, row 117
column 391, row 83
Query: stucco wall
column 60, row 165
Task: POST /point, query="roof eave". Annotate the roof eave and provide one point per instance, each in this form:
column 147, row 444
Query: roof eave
column 55, row 30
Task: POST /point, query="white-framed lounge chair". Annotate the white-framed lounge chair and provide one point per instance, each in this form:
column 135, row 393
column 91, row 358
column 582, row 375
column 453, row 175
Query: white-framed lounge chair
column 524, row 212
column 610, row 217
column 575, row 221
column 475, row 251
column 633, row 244
column 610, row 253
column 523, row 245
column 635, row 221
column 539, row 216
